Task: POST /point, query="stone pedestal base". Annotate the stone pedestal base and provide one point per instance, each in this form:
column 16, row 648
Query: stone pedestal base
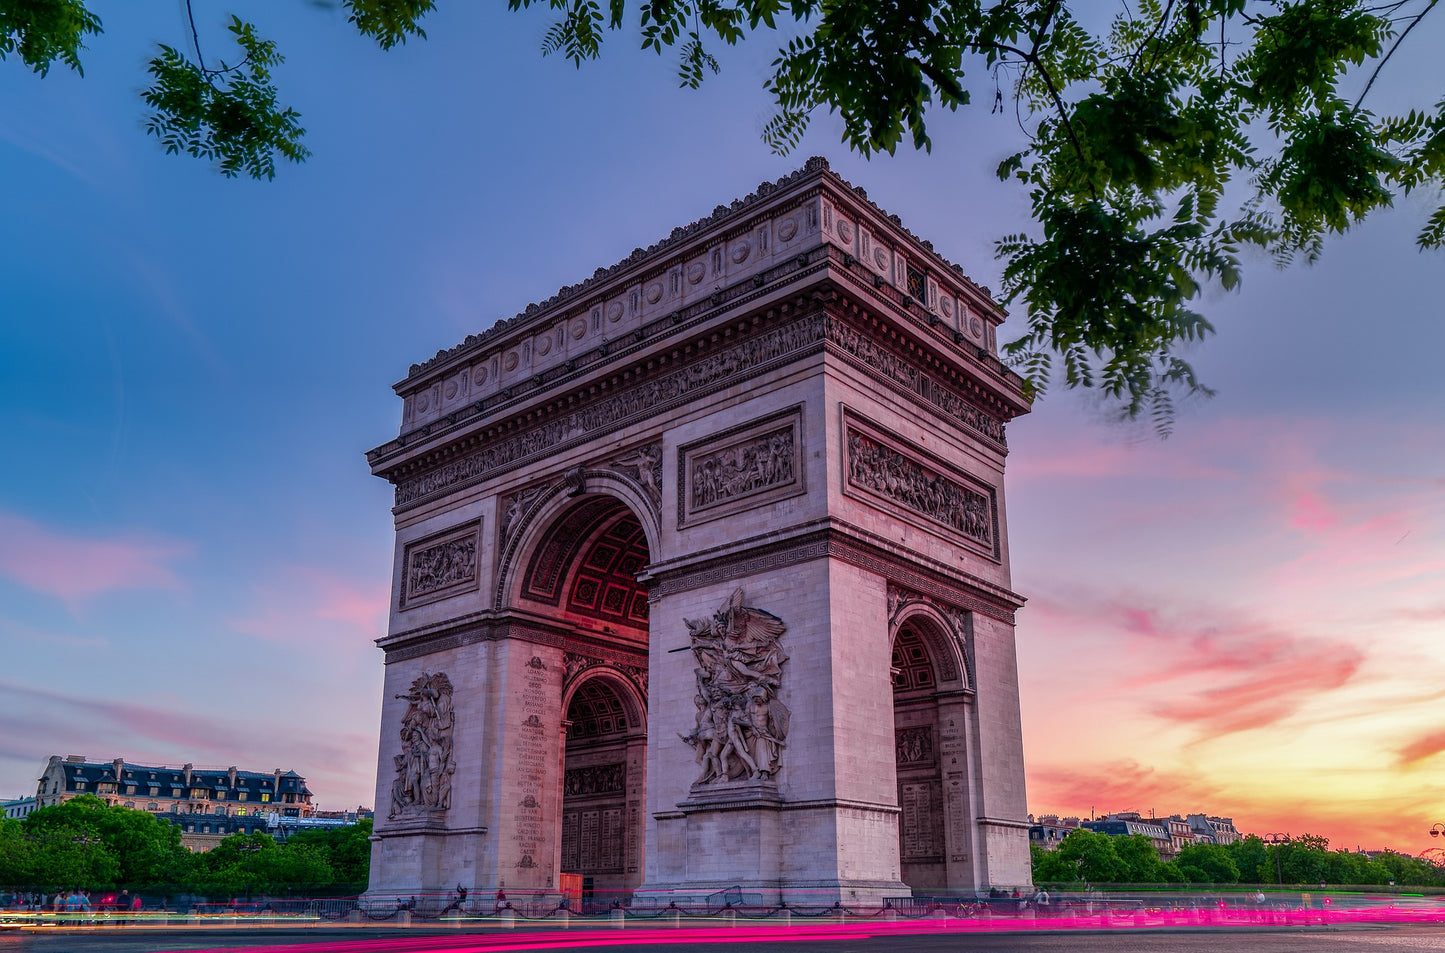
column 740, row 842
column 419, row 856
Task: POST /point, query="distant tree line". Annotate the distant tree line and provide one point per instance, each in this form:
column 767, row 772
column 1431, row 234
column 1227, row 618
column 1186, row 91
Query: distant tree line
column 87, row 845
column 1087, row 857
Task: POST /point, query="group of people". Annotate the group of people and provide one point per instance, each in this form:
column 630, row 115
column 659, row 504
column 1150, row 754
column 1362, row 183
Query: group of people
column 72, row 901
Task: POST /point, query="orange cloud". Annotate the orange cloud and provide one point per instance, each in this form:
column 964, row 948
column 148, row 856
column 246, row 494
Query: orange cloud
column 1117, row 786
column 1422, row 748
column 76, row 568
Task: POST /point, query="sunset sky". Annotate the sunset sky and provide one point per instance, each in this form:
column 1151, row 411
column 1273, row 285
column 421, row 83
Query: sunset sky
column 1245, row 619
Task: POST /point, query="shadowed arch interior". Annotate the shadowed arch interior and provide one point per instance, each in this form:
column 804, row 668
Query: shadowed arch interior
column 921, row 840
column 599, row 821
column 588, row 562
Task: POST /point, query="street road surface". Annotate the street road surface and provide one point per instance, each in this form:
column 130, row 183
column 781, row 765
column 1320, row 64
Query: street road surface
column 875, row 938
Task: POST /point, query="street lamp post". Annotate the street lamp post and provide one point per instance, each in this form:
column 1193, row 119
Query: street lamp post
column 1277, row 840
column 1437, row 830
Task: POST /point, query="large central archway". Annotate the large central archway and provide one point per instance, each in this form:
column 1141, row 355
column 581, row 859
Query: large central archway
column 582, row 575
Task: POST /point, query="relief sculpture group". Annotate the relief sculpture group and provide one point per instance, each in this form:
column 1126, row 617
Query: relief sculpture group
column 424, row 768
column 741, row 726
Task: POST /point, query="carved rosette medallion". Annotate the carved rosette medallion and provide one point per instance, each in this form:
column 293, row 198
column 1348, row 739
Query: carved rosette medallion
column 742, row 725
column 424, row 768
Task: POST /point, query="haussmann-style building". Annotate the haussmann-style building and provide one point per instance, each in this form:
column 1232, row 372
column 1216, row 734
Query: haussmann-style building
column 702, row 582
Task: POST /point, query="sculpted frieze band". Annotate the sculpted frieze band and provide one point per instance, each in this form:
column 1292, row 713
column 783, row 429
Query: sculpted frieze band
column 882, row 470
column 642, row 400
column 907, row 373
column 716, row 368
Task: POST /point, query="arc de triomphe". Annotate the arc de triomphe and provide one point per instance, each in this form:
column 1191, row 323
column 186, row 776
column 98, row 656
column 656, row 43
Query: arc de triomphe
column 702, row 577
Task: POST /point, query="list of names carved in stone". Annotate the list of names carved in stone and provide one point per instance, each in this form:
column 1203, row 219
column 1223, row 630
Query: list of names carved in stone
column 921, row 804
column 530, row 752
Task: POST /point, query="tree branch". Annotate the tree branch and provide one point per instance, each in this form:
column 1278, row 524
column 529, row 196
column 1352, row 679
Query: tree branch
column 1395, row 46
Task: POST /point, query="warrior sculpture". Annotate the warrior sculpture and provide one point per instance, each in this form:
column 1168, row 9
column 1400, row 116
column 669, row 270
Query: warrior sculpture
column 424, row 768
column 741, row 725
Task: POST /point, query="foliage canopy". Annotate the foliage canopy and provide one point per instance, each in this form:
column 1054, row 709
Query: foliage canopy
column 1163, row 141
column 86, row 844
column 1087, row 857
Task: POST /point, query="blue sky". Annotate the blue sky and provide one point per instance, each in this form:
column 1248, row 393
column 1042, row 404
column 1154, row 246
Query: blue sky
column 194, row 560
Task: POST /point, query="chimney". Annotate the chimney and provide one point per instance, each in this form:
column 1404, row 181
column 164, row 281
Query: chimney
column 186, row 770
column 119, row 765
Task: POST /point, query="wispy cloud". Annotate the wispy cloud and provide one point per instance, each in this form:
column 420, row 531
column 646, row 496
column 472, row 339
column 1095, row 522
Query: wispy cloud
column 75, row 568
column 1422, row 747
column 1123, row 785
column 102, row 728
column 307, row 604
column 1224, row 673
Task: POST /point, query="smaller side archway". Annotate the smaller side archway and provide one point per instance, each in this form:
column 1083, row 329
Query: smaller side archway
column 931, row 700
column 603, row 787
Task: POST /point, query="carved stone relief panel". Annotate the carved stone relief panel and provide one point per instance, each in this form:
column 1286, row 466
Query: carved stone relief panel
column 595, row 780
column 440, row 566
column 424, row 769
column 745, row 467
column 907, row 478
column 742, row 725
column 913, row 745
column 643, row 465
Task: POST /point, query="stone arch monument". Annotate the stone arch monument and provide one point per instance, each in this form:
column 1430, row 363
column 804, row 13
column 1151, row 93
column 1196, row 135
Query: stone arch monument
column 702, row 580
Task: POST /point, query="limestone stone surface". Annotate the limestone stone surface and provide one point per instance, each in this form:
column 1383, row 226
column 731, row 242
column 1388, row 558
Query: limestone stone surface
column 712, row 549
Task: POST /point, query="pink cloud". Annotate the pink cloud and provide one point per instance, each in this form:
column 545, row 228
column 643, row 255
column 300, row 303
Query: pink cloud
column 1123, row 785
column 1227, row 674
column 307, row 603
column 56, row 722
column 76, row 568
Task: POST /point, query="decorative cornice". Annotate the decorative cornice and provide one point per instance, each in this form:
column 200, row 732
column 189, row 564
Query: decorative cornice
column 716, row 367
column 785, row 333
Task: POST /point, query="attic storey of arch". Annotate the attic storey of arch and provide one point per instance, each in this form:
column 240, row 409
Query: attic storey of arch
column 1165, row 140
